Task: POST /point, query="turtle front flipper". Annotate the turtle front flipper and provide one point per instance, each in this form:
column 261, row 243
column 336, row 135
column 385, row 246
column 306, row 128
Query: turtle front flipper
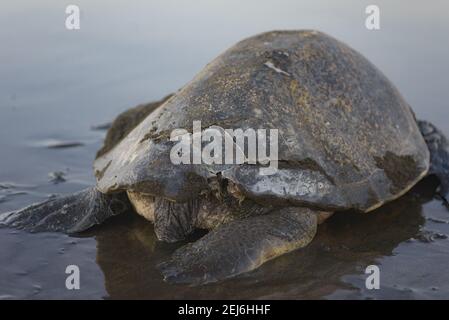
column 240, row 246
column 70, row 214
column 438, row 146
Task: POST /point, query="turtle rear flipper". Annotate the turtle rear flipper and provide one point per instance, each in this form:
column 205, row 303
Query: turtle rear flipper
column 438, row 146
column 70, row 214
column 240, row 246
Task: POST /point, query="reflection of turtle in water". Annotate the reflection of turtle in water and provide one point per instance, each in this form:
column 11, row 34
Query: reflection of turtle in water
column 348, row 140
column 126, row 247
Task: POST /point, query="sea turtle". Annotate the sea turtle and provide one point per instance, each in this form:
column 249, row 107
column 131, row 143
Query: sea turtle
column 347, row 140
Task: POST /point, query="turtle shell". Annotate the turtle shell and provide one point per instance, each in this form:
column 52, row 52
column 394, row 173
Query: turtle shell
column 347, row 138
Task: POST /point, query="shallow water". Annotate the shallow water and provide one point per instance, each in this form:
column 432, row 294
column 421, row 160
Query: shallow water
column 56, row 84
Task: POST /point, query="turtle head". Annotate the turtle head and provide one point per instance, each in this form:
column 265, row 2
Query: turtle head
column 173, row 221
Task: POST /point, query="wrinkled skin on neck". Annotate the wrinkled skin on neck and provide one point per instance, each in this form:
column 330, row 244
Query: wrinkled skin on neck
column 175, row 221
